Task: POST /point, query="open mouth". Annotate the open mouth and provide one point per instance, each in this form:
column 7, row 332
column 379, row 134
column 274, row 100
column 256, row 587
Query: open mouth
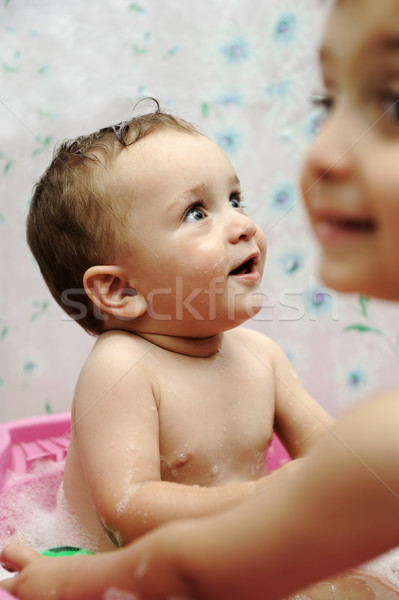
column 245, row 268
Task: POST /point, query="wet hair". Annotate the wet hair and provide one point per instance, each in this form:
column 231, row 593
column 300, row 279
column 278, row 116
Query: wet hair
column 77, row 219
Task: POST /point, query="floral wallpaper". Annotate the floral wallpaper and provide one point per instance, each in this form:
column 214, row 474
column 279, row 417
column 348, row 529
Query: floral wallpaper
column 243, row 72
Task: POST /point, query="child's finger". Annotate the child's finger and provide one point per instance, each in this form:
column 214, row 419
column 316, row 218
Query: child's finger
column 15, row 557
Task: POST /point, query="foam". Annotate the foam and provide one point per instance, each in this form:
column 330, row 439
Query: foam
column 123, row 502
column 37, row 515
column 386, row 565
column 4, row 574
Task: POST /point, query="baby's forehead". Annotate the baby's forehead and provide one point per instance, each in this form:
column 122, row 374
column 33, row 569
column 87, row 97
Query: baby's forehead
column 167, row 161
column 164, row 146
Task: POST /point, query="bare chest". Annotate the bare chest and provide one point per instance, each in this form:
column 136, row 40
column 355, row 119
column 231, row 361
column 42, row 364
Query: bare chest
column 215, row 423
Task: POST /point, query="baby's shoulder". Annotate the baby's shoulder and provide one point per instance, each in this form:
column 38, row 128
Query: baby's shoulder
column 255, row 341
column 119, row 361
column 117, row 349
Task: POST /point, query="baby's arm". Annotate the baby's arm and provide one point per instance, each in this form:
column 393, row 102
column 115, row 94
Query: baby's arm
column 299, row 419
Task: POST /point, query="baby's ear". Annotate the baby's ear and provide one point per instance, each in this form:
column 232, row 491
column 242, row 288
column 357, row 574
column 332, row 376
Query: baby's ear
column 108, row 288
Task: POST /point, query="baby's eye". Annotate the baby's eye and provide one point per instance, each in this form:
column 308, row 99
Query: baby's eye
column 194, row 213
column 235, row 200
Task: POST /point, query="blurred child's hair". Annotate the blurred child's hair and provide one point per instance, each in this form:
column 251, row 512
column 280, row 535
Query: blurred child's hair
column 77, row 219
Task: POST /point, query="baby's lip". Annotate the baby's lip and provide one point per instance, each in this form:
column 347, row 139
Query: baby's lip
column 247, row 265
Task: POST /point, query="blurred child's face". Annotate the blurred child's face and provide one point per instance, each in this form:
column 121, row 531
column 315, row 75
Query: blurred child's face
column 350, row 178
column 196, row 255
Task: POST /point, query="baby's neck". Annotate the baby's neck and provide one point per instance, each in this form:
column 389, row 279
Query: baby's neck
column 196, row 347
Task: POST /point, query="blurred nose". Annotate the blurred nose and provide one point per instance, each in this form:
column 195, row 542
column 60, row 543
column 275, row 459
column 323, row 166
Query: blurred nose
column 330, row 156
column 240, row 227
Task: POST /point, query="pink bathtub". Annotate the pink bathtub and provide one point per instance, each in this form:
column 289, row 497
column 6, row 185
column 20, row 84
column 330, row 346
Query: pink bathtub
column 25, row 442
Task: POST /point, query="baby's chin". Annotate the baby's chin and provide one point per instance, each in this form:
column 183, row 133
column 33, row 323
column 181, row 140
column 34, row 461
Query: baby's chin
column 253, row 305
column 257, row 302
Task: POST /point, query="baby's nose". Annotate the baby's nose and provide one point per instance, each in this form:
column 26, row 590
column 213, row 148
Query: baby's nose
column 241, row 227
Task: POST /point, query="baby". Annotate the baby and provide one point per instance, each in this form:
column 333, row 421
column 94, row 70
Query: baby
column 141, row 235
column 340, row 507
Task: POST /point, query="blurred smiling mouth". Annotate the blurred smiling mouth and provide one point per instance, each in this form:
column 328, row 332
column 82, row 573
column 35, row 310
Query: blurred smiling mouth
column 336, row 228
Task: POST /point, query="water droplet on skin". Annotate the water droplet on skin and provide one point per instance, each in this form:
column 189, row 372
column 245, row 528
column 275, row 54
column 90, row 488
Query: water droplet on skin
column 117, row 594
column 259, row 464
column 142, row 566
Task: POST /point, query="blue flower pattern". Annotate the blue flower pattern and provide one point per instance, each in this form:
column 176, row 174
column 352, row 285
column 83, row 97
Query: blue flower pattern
column 240, row 72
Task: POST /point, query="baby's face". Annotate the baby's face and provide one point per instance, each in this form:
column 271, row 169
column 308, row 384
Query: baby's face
column 350, row 178
column 196, row 255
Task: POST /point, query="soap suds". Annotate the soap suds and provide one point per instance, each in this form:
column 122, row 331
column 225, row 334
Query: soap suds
column 35, row 512
column 386, row 565
column 123, row 502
